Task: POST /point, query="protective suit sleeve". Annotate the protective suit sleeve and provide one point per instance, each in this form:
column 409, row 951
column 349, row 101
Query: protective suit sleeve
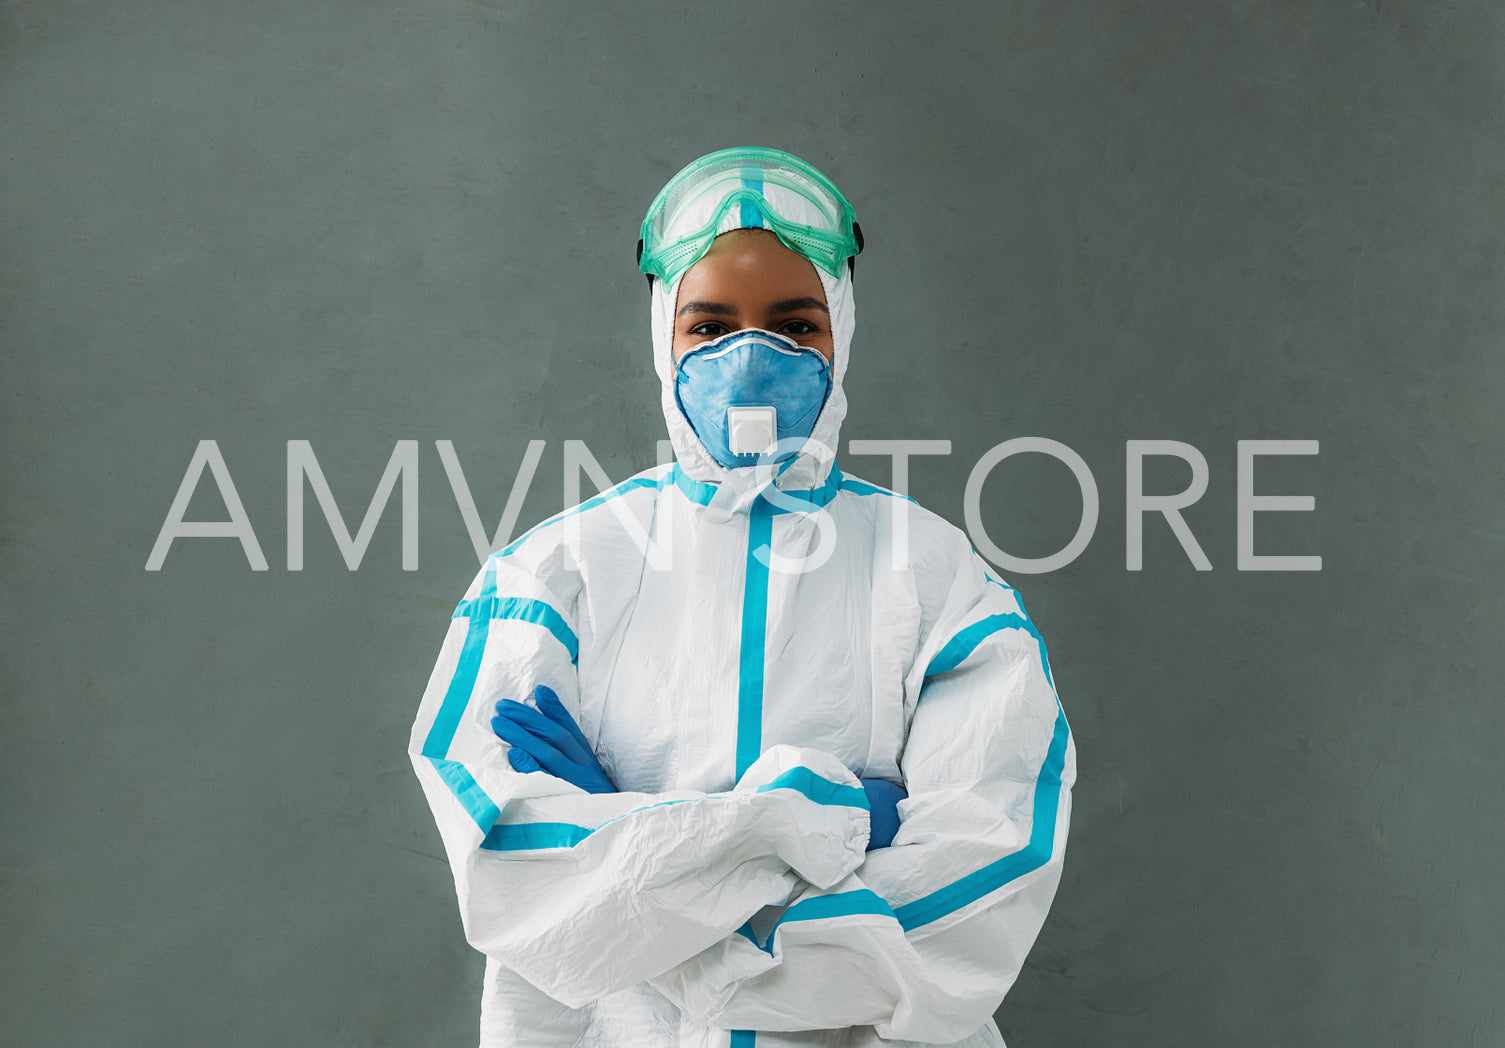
column 925, row 938
column 584, row 894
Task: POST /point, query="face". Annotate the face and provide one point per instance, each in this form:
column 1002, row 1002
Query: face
column 749, row 279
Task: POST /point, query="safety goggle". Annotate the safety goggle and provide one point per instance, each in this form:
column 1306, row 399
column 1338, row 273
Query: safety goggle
column 747, row 188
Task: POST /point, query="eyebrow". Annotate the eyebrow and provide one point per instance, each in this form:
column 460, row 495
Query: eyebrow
column 789, row 305
column 706, row 307
column 794, row 305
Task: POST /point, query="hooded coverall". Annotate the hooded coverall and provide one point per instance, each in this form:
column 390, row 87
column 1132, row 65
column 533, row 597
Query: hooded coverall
column 724, row 897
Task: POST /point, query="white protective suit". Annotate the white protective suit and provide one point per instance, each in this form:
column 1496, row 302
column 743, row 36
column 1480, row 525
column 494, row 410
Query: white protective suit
column 724, row 896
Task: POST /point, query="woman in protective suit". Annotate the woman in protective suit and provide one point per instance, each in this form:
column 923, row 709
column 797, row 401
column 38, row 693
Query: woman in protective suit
column 746, row 751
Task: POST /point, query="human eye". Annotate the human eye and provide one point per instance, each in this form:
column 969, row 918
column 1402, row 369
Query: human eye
column 708, row 329
column 797, row 326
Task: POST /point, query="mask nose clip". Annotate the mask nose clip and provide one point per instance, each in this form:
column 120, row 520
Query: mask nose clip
column 751, row 430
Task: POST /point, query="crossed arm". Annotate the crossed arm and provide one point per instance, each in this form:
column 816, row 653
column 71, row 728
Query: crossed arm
column 544, row 738
column 586, row 893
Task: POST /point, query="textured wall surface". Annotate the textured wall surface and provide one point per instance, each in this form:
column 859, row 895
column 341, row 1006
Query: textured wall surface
column 358, row 223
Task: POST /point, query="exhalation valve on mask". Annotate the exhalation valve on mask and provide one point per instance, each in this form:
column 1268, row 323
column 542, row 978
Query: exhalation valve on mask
column 752, row 395
column 751, row 430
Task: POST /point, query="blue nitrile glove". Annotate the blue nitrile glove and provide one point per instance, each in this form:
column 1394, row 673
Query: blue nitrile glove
column 548, row 740
column 883, row 798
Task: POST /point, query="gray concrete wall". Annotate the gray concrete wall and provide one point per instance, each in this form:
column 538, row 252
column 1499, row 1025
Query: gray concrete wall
column 358, row 223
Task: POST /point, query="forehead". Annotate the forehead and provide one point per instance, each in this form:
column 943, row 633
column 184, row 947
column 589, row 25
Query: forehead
column 751, row 266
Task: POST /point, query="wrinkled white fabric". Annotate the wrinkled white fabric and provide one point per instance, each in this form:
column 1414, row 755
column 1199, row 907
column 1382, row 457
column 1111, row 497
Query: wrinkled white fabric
column 724, row 897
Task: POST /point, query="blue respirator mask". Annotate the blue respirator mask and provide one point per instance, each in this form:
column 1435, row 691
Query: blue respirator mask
column 747, row 392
